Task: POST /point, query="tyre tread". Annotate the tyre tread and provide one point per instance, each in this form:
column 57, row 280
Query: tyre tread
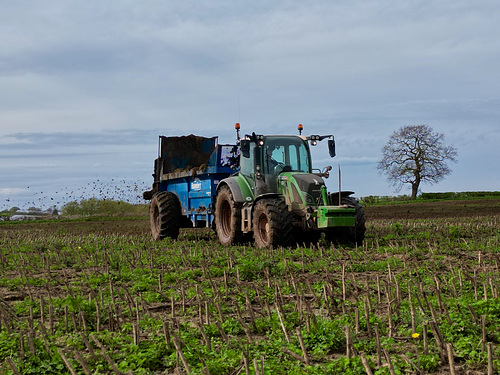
column 169, row 209
column 280, row 221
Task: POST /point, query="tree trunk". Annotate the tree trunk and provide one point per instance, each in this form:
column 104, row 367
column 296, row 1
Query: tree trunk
column 414, row 190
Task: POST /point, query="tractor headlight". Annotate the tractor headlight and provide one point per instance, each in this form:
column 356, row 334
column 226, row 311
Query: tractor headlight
column 314, row 139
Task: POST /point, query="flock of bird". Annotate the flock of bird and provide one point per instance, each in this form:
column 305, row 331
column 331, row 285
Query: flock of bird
column 113, row 189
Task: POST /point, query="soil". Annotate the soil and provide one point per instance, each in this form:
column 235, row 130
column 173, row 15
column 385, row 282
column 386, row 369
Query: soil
column 402, row 211
column 434, row 210
column 122, row 226
column 96, row 227
column 186, row 153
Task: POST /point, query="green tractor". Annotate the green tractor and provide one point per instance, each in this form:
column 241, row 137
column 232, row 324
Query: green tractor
column 281, row 200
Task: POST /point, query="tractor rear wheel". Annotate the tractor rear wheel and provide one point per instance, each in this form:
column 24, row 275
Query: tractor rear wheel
column 349, row 235
column 272, row 223
column 165, row 215
column 227, row 218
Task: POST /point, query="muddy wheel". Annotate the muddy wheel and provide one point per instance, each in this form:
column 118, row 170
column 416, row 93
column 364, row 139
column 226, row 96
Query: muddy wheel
column 351, row 235
column 272, row 223
column 165, row 215
column 227, row 218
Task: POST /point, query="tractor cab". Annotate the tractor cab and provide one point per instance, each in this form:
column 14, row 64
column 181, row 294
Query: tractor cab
column 270, row 156
column 273, row 163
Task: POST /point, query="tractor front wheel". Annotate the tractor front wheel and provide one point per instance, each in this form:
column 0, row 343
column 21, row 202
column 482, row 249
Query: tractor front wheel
column 165, row 215
column 272, row 223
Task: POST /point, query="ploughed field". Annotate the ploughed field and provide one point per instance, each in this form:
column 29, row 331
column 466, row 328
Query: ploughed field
column 99, row 296
column 435, row 210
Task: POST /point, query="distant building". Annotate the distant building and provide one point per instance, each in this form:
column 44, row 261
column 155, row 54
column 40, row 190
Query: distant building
column 23, row 218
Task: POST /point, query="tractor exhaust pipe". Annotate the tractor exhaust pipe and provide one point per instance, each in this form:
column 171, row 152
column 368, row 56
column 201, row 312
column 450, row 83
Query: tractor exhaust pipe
column 340, row 188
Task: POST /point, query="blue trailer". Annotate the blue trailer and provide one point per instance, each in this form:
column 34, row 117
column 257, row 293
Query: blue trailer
column 186, row 174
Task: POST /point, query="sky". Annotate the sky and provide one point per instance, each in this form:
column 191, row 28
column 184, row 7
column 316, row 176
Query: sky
column 86, row 87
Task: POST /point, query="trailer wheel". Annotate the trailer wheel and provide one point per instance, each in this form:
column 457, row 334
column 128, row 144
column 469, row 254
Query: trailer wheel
column 350, row 235
column 272, row 223
column 227, row 218
column 165, row 215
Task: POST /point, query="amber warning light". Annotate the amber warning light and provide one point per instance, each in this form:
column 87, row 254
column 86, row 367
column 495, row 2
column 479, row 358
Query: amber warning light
column 237, row 127
column 300, row 127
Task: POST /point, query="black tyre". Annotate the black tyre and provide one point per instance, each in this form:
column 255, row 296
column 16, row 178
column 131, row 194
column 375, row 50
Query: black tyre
column 272, row 223
column 227, row 218
column 165, row 215
column 350, row 235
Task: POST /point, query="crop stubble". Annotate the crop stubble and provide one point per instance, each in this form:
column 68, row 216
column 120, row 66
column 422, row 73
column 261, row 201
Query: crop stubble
column 100, row 294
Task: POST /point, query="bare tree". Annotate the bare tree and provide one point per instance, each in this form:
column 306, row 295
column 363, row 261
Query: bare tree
column 416, row 154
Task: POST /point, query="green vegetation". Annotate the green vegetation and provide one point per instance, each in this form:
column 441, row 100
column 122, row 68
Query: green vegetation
column 84, row 208
column 426, row 197
column 98, row 207
column 460, row 195
column 88, row 296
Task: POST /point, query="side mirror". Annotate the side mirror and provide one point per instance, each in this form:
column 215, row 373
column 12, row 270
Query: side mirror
column 331, row 147
column 245, row 148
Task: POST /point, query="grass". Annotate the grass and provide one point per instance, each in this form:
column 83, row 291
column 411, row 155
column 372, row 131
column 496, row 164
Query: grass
column 430, row 197
column 113, row 301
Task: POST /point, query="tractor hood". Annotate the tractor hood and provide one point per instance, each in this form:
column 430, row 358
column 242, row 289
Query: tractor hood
column 310, row 184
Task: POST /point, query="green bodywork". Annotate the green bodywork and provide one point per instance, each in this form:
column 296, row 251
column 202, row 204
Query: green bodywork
column 263, row 171
column 326, row 215
column 287, row 186
column 334, row 216
column 244, row 193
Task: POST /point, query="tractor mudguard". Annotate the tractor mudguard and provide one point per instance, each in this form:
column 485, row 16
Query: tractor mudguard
column 239, row 188
column 334, row 197
column 264, row 196
column 345, row 193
